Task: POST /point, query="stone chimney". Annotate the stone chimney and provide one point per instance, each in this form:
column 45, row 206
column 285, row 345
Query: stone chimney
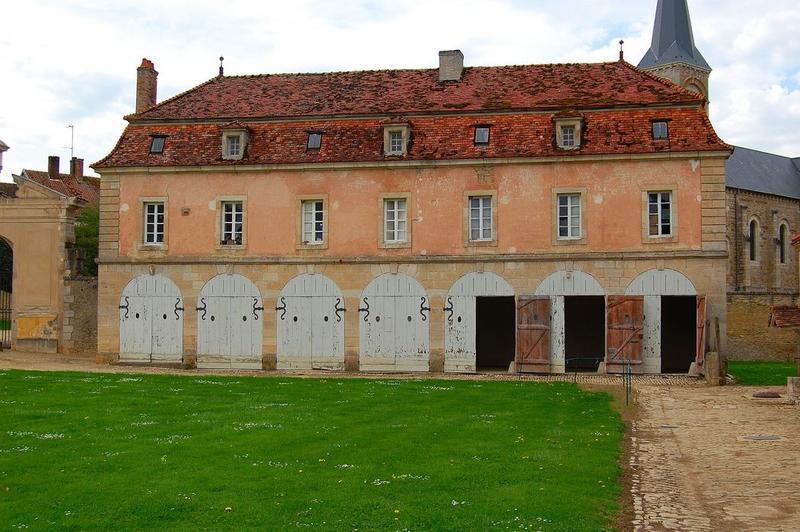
column 53, row 164
column 451, row 65
column 146, row 86
column 76, row 168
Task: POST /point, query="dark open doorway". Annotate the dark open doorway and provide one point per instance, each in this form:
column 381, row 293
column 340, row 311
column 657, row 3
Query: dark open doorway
column 495, row 332
column 678, row 333
column 6, row 285
column 584, row 332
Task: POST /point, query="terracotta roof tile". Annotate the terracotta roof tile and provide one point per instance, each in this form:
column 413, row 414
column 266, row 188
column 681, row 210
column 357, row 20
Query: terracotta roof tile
column 784, row 317
column 386, row 92
column 86, row 189
column 432, row 137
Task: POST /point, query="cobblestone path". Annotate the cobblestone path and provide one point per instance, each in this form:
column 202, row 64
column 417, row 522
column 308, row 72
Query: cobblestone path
column 715, row 459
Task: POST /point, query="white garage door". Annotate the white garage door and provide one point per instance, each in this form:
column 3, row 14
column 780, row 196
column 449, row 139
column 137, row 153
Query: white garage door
column 459, row 313
column 230, row 314
column 394, row 314
column 311, row 324
column 151, row 321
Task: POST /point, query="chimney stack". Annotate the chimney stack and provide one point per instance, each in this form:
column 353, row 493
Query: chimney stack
column 53, row 165
column 76, row 168
column 451, row 65
column 146, row 86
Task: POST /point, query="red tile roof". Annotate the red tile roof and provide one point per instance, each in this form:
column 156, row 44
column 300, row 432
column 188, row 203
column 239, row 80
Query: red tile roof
column 86, row 189
column 432, row 138
column 784, row 317
column 386, row 92
column 617, row 100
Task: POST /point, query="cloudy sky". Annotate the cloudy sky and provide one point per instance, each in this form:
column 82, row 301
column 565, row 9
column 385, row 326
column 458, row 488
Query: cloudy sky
column 74, row 61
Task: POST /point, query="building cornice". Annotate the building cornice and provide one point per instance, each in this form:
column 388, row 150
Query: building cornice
column 424, row 259
column 415, row 164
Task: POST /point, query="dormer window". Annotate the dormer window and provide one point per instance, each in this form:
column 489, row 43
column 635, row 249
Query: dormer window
column 234, row 142
column 395, row 139
column 660, row 130
column 481, row 135
column 568, row 133
column 157, row 144
column 314, row 140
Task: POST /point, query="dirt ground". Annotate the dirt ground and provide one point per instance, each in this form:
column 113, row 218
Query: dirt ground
column 698, row 458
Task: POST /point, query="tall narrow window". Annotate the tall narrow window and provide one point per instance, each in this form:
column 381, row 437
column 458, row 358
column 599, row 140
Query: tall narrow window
column 480, row 218
column 395, row 219
column 782, row 243
column 660, row 213
column 569, row 216
column 313, row 222
column 753, row 240
column 568, row 136
column 234, row 145
column 396, row 142
column 154, row 223
column 232, row 222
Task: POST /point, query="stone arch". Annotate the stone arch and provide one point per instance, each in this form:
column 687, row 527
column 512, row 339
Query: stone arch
column 570, row 283
column 230, row 314
column 481, row 284
column 394, row 317
column 661, row 283
column 310, row 324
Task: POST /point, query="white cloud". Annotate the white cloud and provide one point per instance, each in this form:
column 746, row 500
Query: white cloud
column 74, row 61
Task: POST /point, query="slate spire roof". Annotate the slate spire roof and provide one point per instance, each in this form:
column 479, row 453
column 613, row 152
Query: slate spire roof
column 673, row 39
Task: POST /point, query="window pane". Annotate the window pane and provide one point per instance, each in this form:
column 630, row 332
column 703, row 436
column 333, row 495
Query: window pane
column 314, row 141
column 481, row 135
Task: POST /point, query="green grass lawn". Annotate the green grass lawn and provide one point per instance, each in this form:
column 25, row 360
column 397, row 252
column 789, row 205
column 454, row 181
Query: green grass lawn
column 762, row 373
column 198, row 452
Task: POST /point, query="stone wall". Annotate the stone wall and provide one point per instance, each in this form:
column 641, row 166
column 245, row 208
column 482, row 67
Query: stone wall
column 749, row 334
column 766, row 275
column 79, row 334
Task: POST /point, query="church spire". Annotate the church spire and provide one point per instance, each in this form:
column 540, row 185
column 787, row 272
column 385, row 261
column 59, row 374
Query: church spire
column 673, row 40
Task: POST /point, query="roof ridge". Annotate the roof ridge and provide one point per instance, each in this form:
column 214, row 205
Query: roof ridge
column 665, row 81
column 171, row 99
column 767, row 153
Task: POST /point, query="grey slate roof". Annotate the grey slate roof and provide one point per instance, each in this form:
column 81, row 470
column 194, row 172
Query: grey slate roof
column 767, row 173
column 673, row 39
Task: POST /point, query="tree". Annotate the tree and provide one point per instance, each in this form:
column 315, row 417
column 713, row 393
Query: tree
column 87, row 235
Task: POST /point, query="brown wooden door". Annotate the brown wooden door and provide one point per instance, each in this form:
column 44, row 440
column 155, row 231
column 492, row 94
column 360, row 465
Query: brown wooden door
column 701, row 330
column 624, row 337
column 533, row 334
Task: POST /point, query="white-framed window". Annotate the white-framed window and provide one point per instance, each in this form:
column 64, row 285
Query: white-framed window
column 232, row 222
column 569, row 217
column 313, row 222
column 659, row 213
column 480, row 218
column 154, row 220
column 395, row 139
column 395, row 221
column 568, row 136
column 396, row 142
column 233, row 146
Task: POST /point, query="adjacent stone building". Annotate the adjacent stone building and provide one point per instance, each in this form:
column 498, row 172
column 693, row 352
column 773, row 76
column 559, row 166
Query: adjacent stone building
column 37, row 221
column 763, row 213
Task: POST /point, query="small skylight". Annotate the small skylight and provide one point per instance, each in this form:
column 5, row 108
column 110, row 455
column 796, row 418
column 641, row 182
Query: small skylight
column 481, row 135
column 314, row 140
column 660, row 130
column 157, row 144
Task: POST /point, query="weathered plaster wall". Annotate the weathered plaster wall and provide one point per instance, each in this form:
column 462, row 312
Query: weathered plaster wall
column 37, row 229
column 80, row 315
